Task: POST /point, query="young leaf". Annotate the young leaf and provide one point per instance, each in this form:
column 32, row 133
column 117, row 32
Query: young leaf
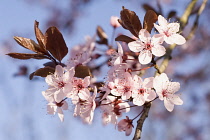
column 27, row 56
column 55, row 43
column 124, row 38
column 43, row 72
column 149, row 19
column 28, row 44
column 82, row 71
column 40, row 37
column 171, row 14
column 102, row 35
column 130, row 21
column 148, row 7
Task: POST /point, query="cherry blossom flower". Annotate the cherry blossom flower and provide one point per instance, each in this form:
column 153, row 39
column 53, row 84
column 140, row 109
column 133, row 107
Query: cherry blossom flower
column 113, row 109
column 169, row 31
column 165, row 90
column 125, row 125
column 114, row 21
column 147, row 46
column 59, row 83
column 86, row 106
column 143, row 90
column 54, row 107
column 79, row 88
column 122, row 86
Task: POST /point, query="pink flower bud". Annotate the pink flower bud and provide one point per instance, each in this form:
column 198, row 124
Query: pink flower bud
column 114, row 21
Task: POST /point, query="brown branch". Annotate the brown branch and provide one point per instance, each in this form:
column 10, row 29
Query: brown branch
column 140, row 122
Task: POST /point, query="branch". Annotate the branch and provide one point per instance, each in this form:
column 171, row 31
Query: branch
column 140, row 122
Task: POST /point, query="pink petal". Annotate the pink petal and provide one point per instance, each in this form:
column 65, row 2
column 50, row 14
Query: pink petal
column 157, row 39
column 86, row 81
column 51, row 109
column 59, row 71
column 169, row 105
column 144, row 36
column 128, row 131
column 65, row 105
column 151, row 96
column 158, row 50
column 59, row 95
column 178, row 39
column 135, row 46
column 145, row 57
column 148, row 82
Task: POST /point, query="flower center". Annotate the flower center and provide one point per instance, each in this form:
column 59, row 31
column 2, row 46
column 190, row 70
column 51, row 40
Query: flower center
column 61, row 84
column 141, row 91
column 148, row 46
column 164, row 93
column 80, row 86
column 126, row 89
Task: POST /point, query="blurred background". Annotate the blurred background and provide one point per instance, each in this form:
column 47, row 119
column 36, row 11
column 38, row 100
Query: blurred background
column 23, row 108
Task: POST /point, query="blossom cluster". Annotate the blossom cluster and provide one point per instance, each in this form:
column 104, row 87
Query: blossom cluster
column 123, row 87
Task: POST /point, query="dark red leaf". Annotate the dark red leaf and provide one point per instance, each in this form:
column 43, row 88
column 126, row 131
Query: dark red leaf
column 82, row 71
column 124, row 38
column 43, row 72
column 27, row 56
column 28, row 44
column 130, row 21
column 171, row 14
column 55, row 43
column 40, row 37
column 102, row 35
column 149, row 19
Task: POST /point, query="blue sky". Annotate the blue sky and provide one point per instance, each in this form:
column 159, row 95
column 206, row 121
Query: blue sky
column 22, row 105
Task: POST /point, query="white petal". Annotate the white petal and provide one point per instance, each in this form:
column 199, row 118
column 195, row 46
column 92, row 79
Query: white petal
column 169, row 39
column 120, row 49
column 173, row 87
column 84, row 94
column 178, row 39
column 60, row 114
column 135, row 46
column 176, row 99
column 173, row 27
column 158, row 50
column 145, row 57
column 158, row 28
column 169, row 105
column 139, row 100
column 162, row 21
